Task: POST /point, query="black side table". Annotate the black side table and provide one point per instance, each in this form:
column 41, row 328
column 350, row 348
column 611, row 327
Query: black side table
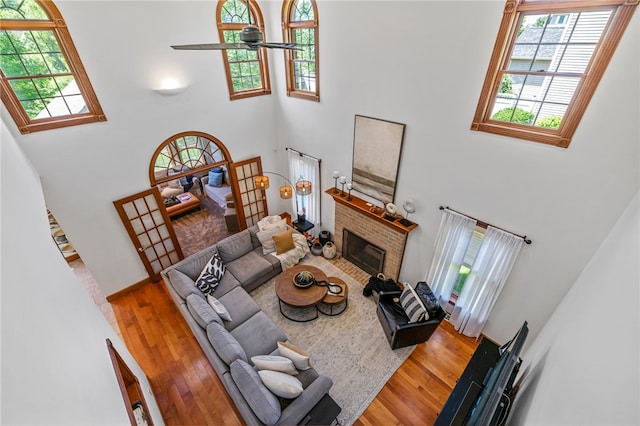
column 302, row 226
column 324, row 412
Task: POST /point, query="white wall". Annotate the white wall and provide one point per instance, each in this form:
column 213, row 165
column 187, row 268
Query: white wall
column 421, row 63
column 583, row 367
column 55, row 364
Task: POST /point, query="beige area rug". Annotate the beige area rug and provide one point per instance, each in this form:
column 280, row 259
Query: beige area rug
column 350, row 348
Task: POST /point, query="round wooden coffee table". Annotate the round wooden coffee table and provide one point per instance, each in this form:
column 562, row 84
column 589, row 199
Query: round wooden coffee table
column 335, row 304
column 300, row 298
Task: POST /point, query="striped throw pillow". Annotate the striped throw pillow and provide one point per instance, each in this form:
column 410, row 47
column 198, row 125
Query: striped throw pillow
column 412, row 304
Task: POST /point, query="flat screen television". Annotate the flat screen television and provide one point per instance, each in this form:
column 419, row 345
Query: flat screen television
column 484, row 410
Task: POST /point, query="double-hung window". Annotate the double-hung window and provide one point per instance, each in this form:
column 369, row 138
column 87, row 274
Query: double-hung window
column 42, row 80
column 547, row 62
column 247, row 69
column 300, row 26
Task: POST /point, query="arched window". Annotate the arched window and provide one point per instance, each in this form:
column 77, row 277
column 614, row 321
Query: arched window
column 247, row 70
column 300, row 26
column 185, row 154
column 43, row 83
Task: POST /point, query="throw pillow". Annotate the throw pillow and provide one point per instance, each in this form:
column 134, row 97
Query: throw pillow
column 284, row 241
column 225, row 345
column 266, row 239
column 263, row 403
column 300, row 358
column 201, row 311
column 215, row 178
column 281, row 384
column 412, row 305
column 219, row 308
column 211, row 274
column 182, row 284
column 274, row 363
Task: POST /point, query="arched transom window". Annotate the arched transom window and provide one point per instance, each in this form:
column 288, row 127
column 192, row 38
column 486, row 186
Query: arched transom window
column 300, row 26
column 185, row 154
column 247, row 70
column 43, row 83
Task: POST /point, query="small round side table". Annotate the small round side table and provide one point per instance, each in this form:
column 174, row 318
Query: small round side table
column 332, row 304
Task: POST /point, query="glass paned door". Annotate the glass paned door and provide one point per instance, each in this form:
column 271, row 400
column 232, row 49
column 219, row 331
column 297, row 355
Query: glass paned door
column 251, row 201
column 150, row 230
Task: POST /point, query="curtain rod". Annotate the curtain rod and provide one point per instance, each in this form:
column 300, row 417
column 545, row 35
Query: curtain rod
column 302, row 154
column 485, row 224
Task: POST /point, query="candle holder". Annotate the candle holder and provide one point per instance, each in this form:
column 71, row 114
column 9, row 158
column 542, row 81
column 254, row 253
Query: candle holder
column 343, row 180
column 349, row 188
column 336, row 175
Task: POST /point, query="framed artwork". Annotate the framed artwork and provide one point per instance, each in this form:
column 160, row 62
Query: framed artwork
column 377, row 145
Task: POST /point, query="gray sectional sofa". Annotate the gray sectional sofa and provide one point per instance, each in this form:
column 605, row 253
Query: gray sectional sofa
column 230, row 345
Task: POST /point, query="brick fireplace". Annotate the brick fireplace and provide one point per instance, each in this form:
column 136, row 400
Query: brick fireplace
column 357, row 217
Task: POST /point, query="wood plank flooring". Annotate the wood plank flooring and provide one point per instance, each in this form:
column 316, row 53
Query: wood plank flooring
column 189, row 392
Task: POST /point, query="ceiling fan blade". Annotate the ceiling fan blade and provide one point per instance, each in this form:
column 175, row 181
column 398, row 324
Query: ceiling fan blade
column 212, row 46
column 289, row 46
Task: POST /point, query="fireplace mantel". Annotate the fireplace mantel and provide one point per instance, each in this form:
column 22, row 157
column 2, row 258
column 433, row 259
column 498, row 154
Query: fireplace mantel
column 357, row 217
column 361, row 205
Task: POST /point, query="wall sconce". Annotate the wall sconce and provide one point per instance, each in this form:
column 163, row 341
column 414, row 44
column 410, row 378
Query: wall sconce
column 170, row 87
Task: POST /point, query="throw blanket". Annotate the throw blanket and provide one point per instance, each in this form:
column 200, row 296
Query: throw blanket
column 293, row 256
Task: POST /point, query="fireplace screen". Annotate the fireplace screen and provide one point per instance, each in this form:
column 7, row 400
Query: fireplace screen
column 362, row 253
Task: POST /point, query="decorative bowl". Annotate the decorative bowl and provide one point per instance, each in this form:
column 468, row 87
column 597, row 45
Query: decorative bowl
column 303, row 279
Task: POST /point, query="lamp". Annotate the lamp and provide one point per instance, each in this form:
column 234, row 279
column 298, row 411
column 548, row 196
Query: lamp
column 302, row 188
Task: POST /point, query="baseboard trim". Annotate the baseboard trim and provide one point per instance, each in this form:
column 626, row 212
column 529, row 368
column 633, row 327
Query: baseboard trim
column 110, row 298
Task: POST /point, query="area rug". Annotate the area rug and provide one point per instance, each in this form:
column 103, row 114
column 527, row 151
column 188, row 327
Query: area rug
column 350, row 348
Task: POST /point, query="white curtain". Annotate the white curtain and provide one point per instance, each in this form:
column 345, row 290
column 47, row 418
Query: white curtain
column 490, row 270
column 450, row 246
column 307, row 168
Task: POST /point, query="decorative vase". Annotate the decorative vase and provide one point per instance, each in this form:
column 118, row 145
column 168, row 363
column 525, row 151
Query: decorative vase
column 316, row 249
column 329, row 250
column 324, row 237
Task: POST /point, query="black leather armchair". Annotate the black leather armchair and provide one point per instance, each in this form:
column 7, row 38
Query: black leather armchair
column 395, row 323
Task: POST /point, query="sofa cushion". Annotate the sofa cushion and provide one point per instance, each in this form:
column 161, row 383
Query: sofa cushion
column 281, row 384
column 227, row 283
column 240, row 305
column 225, row 345
column 211, row 274
column 216, row 178
column 263, row 403
column 182, row 284
column 274, row 363
column 250, row 267
column 258, row 335
column 201, row 311
column 412, row 304
column 235, row 246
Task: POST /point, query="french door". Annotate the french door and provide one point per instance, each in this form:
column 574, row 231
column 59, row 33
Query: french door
column 150, row 230
column 251, row 202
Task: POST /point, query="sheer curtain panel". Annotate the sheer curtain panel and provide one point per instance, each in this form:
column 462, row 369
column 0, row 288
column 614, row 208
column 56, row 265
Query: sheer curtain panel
column 308, row 168
column 490, row 271
column 451, row 244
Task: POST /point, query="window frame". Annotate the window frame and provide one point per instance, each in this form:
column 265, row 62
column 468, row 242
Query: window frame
column 288, row 26
column 622, row 12
column 58, row 26
column 258, row 21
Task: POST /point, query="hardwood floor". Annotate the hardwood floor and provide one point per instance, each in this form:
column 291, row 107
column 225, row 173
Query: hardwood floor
column 189, row 392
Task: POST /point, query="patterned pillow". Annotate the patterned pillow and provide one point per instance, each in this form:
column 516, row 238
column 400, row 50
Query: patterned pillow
column 412, row 304
column 211, row 275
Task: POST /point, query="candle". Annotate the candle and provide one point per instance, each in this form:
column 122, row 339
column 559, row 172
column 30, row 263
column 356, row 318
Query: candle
column 349, row 186
column 336, row 173
column 343, row 180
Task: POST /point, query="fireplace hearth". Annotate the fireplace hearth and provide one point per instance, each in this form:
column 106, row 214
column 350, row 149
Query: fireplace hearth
column 363, row 254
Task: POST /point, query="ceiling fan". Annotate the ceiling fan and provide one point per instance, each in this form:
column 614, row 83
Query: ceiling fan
column 250, row 35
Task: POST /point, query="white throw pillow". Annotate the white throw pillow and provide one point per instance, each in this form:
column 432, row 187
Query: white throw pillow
column 281, row 384
column 219, row 308
column 274, row 363
column 300, row 358
column 412, row 304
